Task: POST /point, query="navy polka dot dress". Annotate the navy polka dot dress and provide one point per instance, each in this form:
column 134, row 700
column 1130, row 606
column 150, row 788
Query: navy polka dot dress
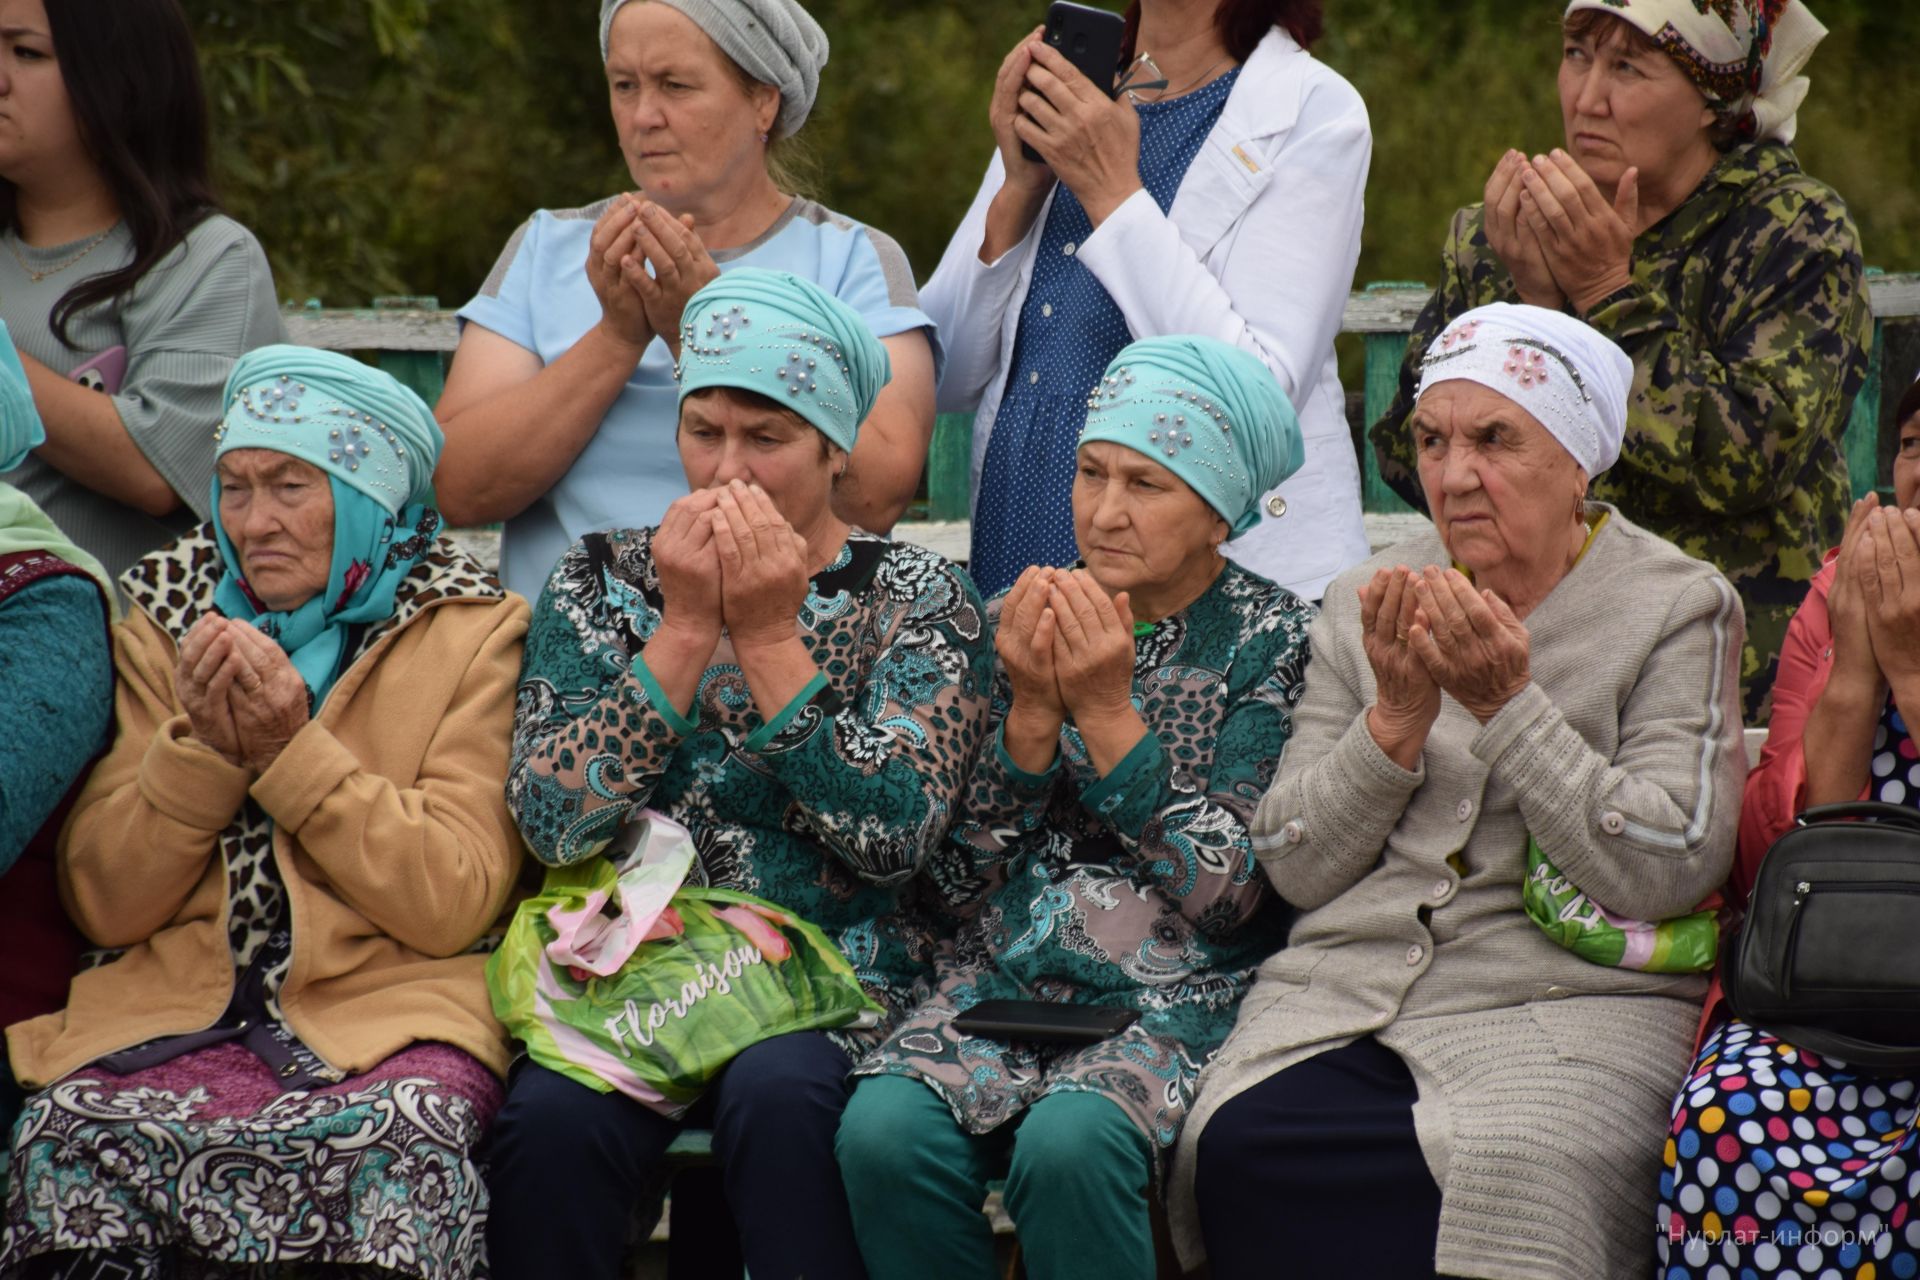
column 1070, row 329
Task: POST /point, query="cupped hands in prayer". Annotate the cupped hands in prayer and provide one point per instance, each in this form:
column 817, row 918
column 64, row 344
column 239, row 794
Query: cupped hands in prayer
column 728, row 560
column 241, row 694
column 1428, row 632
column 1068, row 650
column 1560, row 237
column 638, row 305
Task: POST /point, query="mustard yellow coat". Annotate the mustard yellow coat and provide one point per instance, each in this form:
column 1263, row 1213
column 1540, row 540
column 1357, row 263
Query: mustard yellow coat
column 390, row 830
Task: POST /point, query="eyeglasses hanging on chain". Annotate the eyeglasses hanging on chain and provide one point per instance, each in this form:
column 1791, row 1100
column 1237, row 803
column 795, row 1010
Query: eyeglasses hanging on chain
column 1143, row 81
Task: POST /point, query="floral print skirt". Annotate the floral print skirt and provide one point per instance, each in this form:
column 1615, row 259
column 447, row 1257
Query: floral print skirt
column 203, row 1167
column 986, row 1082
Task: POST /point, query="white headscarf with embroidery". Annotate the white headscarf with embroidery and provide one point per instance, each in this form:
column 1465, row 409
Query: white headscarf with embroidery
column 1573, row 379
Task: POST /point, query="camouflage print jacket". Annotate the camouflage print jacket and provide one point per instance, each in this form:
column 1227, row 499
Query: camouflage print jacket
column 1749, row 325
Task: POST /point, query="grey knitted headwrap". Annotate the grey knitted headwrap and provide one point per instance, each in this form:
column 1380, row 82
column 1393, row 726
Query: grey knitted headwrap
column 774, row 41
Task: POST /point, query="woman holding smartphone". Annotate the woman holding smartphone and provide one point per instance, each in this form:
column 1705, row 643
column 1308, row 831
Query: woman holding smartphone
column 1100, row 852
column 118, row 273
column 1235, row 164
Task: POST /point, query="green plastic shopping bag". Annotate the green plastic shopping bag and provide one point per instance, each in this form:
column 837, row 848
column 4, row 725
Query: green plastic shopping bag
column 1684, row 944
column 621, row 977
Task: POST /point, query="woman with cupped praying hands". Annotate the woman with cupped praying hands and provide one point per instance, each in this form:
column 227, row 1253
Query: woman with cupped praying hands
column 807, row 700
column 290, row 852
column 1102, row 855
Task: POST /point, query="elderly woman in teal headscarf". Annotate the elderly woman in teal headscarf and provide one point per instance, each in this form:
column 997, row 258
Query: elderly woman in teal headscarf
column 290, row 852
column 1140, row 704
column 56, row 706
column 807, row 700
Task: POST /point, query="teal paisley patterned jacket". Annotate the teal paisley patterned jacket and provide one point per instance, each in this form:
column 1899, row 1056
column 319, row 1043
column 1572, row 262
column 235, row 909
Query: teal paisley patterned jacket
column 827, row 809
column 1749, row 325
column 1136, row 890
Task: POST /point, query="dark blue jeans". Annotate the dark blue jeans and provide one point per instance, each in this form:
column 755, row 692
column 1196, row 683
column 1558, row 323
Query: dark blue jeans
column 569, row 1166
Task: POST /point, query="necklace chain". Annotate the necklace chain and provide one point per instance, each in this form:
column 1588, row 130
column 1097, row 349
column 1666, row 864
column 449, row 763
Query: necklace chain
column 1200, row 79
column 37, row 276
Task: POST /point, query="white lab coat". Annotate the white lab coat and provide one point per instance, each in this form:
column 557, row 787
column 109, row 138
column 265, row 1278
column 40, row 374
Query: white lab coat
column 1258, row 250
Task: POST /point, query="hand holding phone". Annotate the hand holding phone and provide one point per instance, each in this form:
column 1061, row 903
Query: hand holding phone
column 1090, row 39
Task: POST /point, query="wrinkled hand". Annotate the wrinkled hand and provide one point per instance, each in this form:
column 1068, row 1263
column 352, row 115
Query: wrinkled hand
column 687, row 560
column 1852, row 637
column 1030, row 177
column 201, row 677
column 1089, row 140
column 268, row 698
column 1889, row 578
column 763, row 567
column 1406, row 700
column 1472, row 645
column 616, row 238
column 1092, row 647
column 1588, row 242
column 1025, row 641
column 681, row 268
column 1514, row 241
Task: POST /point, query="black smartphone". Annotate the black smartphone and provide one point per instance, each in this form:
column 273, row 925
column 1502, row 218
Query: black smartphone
column 1044, row 1022
column 1089, row 38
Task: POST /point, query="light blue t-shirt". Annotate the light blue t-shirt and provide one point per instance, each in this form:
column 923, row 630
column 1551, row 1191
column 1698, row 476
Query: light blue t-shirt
column 538, row 297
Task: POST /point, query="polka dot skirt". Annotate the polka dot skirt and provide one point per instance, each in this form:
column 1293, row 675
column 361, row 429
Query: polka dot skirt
column 1783, row 1164
column 1070, row 329
column 1895, row 768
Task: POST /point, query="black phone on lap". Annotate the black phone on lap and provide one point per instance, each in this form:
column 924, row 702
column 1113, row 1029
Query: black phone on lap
column 1090, row 39
column 1044, row 1021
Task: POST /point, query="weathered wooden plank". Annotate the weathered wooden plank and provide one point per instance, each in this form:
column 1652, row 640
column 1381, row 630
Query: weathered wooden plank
column 950, row 467
column 1895, row 297
column 953, row 538
column 373, row 330
column 1385, row 352
column 1390, row 310
column 1384, row 310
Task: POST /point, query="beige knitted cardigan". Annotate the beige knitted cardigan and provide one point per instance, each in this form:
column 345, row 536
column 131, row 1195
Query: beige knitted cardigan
column 1545, row 1081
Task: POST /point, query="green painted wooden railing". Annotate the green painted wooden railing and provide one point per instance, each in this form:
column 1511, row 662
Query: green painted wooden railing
column 412, row 339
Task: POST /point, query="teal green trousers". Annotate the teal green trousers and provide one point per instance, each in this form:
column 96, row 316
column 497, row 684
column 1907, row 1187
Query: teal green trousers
column 1077, row 1186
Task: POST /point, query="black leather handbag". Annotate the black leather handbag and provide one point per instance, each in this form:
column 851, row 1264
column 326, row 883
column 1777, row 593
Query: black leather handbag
column 1828, row 957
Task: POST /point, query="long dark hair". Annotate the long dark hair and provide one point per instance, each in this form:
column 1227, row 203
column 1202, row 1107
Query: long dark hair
column 1242, row 24
column 134, row 80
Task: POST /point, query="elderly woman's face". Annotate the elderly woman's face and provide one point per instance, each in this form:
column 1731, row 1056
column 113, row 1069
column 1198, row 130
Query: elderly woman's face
column 1501, row 489
column 725, row 437
column 1140, row 527
column 687, row 125
column 278, row 514
column 1625, row 108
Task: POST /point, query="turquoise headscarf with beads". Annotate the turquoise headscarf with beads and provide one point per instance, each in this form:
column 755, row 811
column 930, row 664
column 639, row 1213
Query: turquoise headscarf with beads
column 378, row 443
column 789, row 340
column 1210, row 413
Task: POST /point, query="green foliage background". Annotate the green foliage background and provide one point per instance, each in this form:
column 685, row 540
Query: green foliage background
column 391, row 146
